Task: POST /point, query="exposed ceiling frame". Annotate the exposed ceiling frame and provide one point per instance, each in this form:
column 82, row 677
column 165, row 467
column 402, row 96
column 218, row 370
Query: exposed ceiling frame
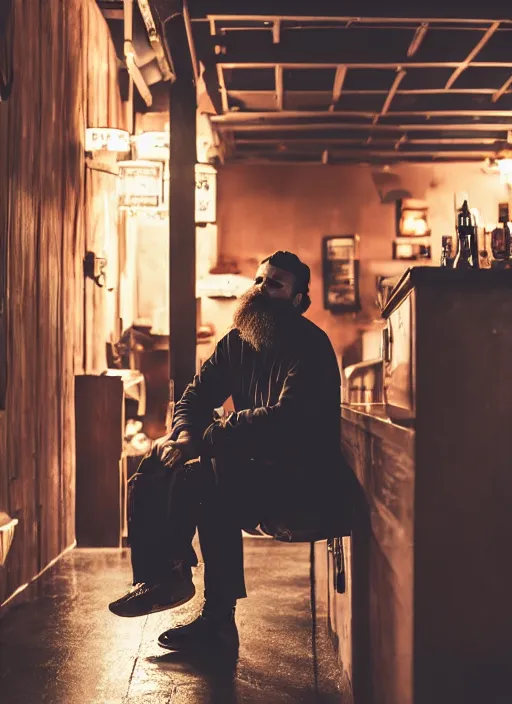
column 190, row 40
column 279, row 94
column 469, row 58
column 419, row 36
column 258, row 117
column 339, row 80
column 391, row 94
column 276, row 31
column 368, row 91
column 349, row 126
column 269, row 131
column 385, row 66
column 222, row 88
column 393, row 153
column 353, row 19
column 501, row 91
column 220, row 72
column 356, row 159
column 376, row 139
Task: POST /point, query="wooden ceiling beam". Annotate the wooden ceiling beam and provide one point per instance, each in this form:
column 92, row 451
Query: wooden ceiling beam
column 353, row 19
column 276, row 31
column 363, row 91
column 279, row 93
column 482, row 153
column 501, row 91
column 268, row 116
column 384, row 66
column 469, row 58
column 339, row 80
column 380, row 139
column 419, row 36
column 391, row 94
column 222, row 88
column 355, row 126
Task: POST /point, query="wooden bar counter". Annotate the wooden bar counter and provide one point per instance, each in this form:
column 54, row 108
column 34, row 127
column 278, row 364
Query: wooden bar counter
column 427, row 613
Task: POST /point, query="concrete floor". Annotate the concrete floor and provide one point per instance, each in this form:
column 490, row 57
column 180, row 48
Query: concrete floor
column 60, row 645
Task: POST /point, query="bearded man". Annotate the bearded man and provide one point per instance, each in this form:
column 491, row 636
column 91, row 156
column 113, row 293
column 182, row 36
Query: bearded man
column 274, row 463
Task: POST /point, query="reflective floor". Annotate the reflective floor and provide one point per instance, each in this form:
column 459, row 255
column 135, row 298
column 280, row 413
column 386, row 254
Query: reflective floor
column 60, row 644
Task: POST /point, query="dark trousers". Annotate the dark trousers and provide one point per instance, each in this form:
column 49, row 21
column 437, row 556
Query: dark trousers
column 219, row 498
column 166, row 507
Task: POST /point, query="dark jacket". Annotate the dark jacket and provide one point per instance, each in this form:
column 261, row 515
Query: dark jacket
column 287, row 402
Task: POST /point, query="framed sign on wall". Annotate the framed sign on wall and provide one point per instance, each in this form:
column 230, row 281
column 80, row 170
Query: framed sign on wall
column 340, row 268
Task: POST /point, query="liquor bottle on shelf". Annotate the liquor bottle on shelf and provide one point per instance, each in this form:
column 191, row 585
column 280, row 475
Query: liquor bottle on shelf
column 467, row 245
column 447, row 251
column 485, row 261
column 504, row 217
column 501, row 240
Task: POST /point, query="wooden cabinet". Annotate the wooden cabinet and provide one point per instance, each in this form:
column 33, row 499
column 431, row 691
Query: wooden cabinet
column 100, row 466
column 429, row 577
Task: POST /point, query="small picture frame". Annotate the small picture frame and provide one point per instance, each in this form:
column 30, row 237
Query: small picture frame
column 340, row 269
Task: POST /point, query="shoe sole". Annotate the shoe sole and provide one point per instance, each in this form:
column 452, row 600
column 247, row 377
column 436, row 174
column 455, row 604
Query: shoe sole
column 198, row 648
column 157, row 609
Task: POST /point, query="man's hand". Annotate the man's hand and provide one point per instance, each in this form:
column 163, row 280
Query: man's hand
column 173, row 452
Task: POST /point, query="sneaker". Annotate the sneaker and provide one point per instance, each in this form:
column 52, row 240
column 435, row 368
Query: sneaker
column 149, row 598
column 205, row 633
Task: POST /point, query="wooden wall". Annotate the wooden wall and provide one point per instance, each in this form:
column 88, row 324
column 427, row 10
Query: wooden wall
column 65, row 76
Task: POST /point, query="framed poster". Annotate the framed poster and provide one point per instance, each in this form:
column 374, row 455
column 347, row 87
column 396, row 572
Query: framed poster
column 340, row 268
column 140, row 184
column 206, row 194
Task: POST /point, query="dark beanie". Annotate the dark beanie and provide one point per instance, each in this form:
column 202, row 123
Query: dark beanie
column 290, row 262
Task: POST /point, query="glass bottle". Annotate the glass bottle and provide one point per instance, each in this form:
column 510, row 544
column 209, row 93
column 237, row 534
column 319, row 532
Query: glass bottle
column 504, row 218
column 447, row 251
column 501, row 241
column 467, row 246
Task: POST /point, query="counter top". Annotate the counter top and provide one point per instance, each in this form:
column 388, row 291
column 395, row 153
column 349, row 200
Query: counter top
column 373, row 418
column 441, row 276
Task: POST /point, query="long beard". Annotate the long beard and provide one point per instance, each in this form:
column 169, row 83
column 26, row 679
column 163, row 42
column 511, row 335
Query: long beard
column 262, row 321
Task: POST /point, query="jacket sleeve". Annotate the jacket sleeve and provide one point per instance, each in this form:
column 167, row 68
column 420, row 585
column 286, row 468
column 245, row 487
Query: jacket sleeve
column 310, row 386
column 208, row 390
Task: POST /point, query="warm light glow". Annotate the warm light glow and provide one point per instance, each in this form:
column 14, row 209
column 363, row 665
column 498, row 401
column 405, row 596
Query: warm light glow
column 107, row 139
column 414, row 226
column 505, row 168
column 153, row 145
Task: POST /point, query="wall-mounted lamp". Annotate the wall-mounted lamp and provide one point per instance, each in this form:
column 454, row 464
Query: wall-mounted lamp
column 95, row 268
column 411, row 218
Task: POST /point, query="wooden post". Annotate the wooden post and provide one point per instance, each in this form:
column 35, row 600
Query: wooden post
column 182, row 249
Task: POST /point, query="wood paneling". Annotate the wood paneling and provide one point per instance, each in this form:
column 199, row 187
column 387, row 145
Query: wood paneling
column 64, row 76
